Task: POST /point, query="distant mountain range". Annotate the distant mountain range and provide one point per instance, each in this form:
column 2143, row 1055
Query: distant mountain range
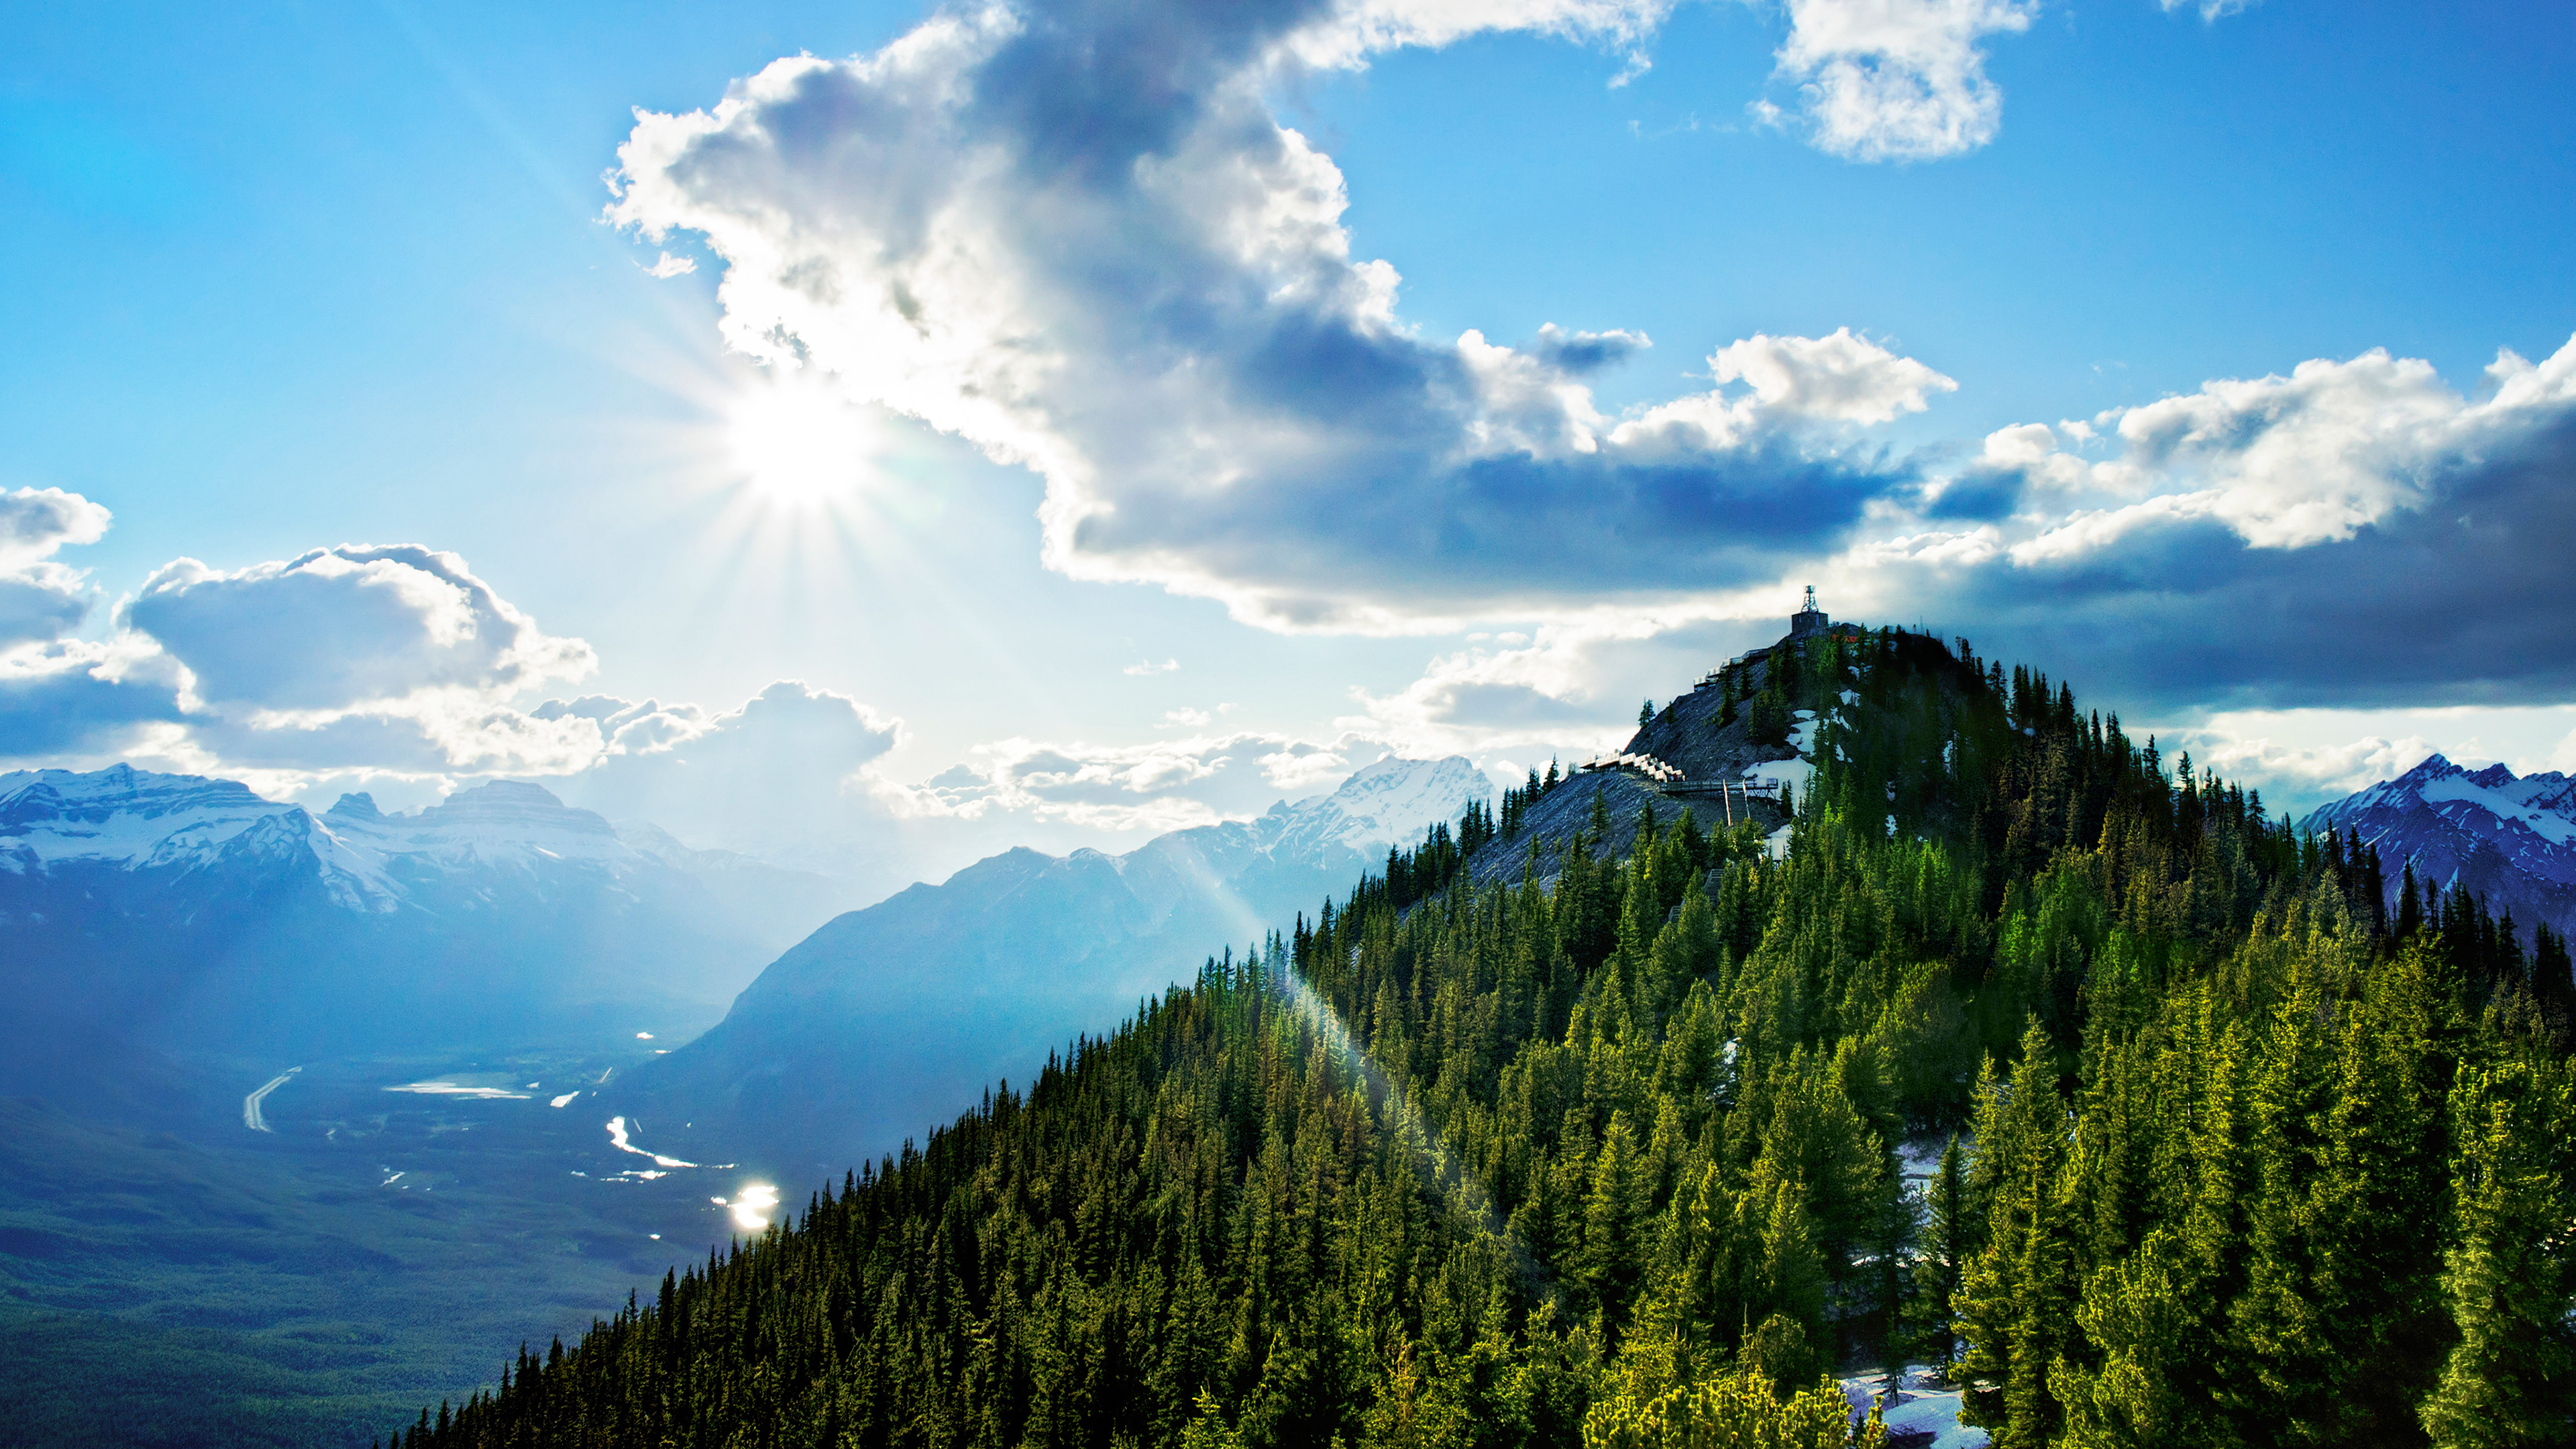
column 2511, row 839
column 178, row 913
column 893, row 1018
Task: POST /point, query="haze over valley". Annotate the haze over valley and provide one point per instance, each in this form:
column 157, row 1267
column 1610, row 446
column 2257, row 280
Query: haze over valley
column 1302, row 725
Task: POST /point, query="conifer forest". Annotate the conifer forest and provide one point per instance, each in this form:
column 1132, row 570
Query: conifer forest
column 2023, row 1052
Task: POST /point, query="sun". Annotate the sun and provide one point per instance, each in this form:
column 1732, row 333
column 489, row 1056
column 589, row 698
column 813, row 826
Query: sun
column 793, row 444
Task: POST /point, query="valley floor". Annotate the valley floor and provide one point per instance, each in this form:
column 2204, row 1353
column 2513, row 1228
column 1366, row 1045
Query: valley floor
column 306, row 1257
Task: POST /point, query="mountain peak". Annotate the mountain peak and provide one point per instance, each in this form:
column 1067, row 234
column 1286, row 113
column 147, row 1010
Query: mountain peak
column 510, row 794
column 2436, row 766
column 356, row 805
column 2512, row 838
column 1394, row 800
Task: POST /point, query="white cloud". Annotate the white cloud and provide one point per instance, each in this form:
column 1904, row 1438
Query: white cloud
column 2299, row 777
column 357, row 658
column 1152, row 787
column 1148, row 666
column 36, row 521
column 1897, row 80
column 782, row 777
column 1346, row 35
column 2211, row 11
column 435, row 733
column 2290, row 462
column 41, row 601
column 670, row 266
column 1837, row 379
column 1156, row 307
column 1572, row 690
column 339, row 628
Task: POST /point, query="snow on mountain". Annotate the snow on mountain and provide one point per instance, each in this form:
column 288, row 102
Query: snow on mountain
column 126, row 819
column 502, row 823
column 2510, row 839
column 2439, row 812
column 120, row 816
column 189, row 913
column 1389, row 803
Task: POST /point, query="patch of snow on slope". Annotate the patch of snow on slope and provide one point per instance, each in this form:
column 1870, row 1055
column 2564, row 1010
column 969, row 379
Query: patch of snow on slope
column 1928, row 1407
column 2549, row 825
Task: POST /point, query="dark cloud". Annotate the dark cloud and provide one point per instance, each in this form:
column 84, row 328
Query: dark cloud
column 62, row 705
column 1977, row 495
column 1510, row 528
column 40, row 605
column 1577, row 353
column 2468, row 599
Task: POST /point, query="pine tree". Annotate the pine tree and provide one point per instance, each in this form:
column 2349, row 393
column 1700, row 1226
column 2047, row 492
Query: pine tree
column 2016, row 1302
column 1947, row 1240
column 1505, row 1164
column 2511, row 1379
column 1614, row 1217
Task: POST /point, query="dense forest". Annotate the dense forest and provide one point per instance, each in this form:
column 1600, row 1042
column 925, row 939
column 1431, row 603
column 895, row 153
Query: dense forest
column 2211, row 1147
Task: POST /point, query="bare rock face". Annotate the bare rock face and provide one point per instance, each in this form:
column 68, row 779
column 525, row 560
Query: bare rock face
column 1686, row 734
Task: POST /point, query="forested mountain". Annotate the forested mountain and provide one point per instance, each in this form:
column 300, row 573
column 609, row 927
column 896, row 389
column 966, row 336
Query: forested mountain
column 2226, row 1153
column 142, row 912
column 898, row 1015
column 2511, row 840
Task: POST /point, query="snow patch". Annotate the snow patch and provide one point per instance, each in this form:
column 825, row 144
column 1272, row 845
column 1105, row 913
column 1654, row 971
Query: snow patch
column 1921, row 1404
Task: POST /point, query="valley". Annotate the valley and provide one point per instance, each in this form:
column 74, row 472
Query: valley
column 296, row 1243
column 312, row 1278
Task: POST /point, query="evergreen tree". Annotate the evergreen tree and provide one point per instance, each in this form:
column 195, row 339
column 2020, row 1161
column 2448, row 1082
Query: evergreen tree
column 2511, row 1378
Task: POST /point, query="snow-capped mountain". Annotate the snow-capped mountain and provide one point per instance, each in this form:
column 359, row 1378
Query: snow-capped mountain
column 2510, row 839
column 899, row 1014
column 191, row 913
column 1389, row 803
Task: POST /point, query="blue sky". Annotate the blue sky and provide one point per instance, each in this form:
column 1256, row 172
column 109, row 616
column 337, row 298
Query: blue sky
column 291, row 277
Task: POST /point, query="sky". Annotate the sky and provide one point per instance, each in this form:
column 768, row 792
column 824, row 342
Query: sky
column 875, row 435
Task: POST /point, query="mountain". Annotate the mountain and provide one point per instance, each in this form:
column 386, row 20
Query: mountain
column 2101, row 1092
column 899, row 1014
column 2511, row 840
column 179, row 913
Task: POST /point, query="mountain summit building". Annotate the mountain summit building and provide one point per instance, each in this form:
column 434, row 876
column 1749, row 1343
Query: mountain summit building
column 1809, row 619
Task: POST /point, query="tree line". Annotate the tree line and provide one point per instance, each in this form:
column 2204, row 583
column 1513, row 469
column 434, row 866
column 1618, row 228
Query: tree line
column 2207, row 1147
